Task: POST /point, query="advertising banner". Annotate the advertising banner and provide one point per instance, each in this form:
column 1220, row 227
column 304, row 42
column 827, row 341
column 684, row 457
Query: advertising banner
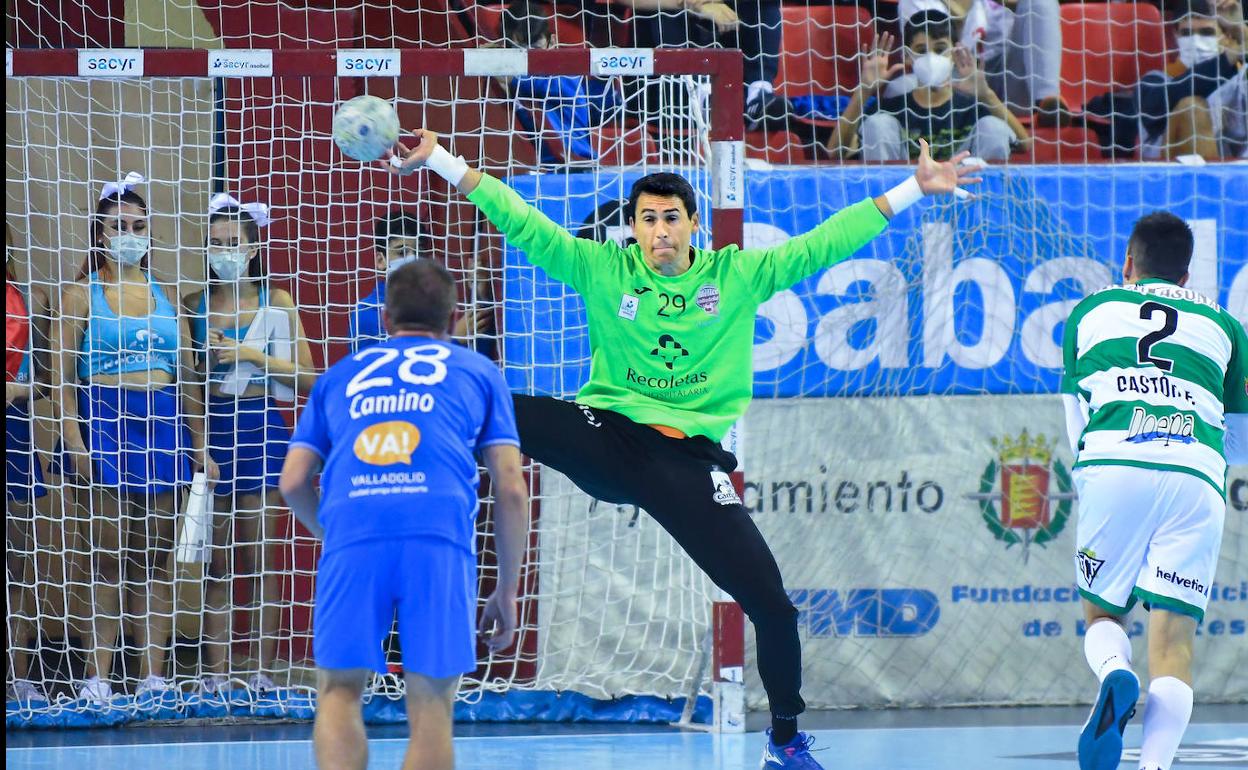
column 929, row 545
column 953, row 298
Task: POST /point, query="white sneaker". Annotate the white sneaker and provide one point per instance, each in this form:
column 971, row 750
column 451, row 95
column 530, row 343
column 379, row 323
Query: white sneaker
column 96, row 690
column 214, row 684
column 25, row 691
column 153, row 684
column 260, row 683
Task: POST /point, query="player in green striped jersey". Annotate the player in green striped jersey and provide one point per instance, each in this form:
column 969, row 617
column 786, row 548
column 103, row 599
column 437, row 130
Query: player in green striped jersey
column 1156, row 392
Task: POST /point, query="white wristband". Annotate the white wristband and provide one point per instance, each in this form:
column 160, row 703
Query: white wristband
column 904, row 195
column 447, row 166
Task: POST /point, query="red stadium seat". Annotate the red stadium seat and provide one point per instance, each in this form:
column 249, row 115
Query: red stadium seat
column 819, row 53
column 1107, row 46
column 489, row 21
column 1062, row 145
column 567, row 29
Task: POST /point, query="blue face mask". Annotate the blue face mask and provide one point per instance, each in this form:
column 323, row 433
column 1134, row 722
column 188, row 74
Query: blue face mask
column 127, row 249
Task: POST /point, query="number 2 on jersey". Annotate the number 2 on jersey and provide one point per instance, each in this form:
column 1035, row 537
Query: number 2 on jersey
column 432, row 356
column 1145, row 347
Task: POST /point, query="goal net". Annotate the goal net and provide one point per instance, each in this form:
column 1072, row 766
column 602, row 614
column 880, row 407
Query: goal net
column 611, row 607
column 905, row 455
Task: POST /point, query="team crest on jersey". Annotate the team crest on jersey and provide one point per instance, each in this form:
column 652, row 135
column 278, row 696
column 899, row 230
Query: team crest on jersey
column 725, row 493
column 1089, row 565
column 387, row 443
column 707, row 298
column 1025, row 493
column 628, row 307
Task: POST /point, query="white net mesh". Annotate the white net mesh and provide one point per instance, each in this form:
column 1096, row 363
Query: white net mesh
column 901, row 395
column 267, row 140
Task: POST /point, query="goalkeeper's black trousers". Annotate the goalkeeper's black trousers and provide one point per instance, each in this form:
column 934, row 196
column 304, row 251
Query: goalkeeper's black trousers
column 617, row 460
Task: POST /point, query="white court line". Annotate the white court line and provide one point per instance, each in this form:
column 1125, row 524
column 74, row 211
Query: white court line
column 629, row 736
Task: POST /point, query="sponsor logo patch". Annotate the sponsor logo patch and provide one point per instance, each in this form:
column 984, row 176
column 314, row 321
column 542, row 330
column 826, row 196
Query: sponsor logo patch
column 628, row 307
column 707, row 298
column 387, row 443
column 669, row 350
column 1089, row 565
column 1192, row 584
column 725, row 492
column 589, row 415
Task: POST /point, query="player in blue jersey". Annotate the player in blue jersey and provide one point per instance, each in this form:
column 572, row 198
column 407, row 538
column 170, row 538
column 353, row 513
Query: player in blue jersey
column 394, row 431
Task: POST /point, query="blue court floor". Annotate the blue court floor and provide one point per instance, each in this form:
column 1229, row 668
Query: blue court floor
column 946, row 739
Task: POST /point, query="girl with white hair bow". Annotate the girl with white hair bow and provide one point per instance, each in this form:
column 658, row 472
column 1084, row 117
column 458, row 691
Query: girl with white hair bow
column 132, row 425
column 245, row 329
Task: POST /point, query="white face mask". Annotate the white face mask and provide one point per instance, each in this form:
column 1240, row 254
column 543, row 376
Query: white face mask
column 127, row 249
column 1193, row 49
column 228, row 264
column 402, row 259
column 933, row 69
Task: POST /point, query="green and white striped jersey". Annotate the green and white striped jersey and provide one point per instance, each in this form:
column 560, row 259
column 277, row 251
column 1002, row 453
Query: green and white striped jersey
column 1158, row 367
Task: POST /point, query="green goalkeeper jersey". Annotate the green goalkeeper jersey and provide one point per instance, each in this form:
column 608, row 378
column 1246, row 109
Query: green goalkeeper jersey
column 672, row 350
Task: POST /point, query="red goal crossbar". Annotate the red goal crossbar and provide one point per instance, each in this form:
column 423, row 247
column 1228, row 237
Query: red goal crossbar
column 723, row 67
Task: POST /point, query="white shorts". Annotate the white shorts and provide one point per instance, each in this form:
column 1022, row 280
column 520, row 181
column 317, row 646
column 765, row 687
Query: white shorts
column 1147, row 535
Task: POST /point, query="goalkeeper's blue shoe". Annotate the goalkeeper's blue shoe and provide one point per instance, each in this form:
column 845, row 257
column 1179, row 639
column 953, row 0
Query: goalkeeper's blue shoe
column 1100, row 743
column 791, row 756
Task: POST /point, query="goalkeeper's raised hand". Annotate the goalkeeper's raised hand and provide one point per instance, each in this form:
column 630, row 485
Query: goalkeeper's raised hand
column 406, row 161
column 429, row 154
column 935, row 177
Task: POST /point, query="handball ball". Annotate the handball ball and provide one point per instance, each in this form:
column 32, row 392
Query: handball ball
column 365, row 127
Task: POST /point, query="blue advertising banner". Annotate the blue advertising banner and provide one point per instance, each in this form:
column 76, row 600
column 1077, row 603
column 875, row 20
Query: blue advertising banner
column 955, row 297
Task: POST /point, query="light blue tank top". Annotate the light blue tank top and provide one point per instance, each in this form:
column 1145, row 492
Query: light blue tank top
column 23, row 371
column 199, row 331
column 116, row 345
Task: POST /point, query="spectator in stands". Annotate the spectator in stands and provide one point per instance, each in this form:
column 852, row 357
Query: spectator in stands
column 256, row 355
column 568, row 107
column 1196, row 105
column 131, row 411
column 952, row 114
column 754, row 26
column 396, row 241
column 25, row 351
column 1019, row 45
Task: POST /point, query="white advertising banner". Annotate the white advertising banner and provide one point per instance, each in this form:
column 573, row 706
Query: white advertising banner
column 928, row 543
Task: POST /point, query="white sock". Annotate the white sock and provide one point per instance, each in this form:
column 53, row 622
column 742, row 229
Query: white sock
column 1107, row 648
column 757, row 89
column 1166, row 712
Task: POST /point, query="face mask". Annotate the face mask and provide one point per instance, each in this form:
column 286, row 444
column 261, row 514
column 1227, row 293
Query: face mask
column 1193, row 49
column 126, row 249
column 933, row 69
column 399, row 261
column 228, row 264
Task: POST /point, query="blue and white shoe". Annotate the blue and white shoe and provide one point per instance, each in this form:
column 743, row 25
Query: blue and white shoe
column 1100, row 743
column 791, row 756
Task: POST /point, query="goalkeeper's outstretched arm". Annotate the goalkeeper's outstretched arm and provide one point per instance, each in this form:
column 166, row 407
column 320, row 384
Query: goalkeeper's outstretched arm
column 544, row 243
column 573, row 260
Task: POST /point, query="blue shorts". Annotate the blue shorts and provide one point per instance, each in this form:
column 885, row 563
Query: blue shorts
column 431, row 583
column 23, row 475
column 247, row 438
column 137, row 441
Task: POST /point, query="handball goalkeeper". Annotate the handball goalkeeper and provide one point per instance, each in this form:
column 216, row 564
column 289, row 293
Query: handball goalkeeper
column 671, row 332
